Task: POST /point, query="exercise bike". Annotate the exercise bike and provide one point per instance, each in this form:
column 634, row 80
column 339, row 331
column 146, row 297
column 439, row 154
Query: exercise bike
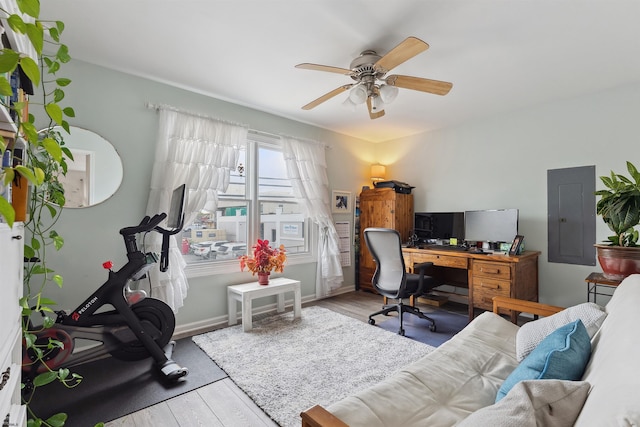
column 137, row 328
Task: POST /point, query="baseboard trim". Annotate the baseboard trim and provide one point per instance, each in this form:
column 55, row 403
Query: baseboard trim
column 207, row 325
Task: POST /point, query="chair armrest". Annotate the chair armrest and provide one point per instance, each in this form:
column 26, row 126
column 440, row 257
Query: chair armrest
column 421, row 267
column 523, row 306
column 317, row 416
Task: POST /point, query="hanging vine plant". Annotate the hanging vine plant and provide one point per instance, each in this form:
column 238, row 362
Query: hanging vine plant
column 47, row 65
column 45, row 160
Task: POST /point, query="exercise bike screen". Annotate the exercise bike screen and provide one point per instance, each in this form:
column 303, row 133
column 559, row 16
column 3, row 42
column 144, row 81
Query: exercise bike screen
column 177, row 207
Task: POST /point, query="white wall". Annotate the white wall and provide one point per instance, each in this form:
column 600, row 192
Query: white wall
column 502, row 162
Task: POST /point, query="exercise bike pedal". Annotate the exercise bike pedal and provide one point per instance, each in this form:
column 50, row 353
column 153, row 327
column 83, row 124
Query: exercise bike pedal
column 172, row 371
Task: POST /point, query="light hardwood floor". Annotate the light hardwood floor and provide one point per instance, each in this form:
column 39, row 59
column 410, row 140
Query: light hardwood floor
column 222, row 403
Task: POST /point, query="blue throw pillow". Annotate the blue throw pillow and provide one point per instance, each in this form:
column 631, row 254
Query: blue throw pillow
column 562, row 355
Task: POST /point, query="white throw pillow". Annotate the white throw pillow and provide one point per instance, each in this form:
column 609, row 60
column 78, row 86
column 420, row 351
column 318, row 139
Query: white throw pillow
column 532, row 403
column 532, row 333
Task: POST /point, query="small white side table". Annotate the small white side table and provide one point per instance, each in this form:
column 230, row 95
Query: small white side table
column 247, row 292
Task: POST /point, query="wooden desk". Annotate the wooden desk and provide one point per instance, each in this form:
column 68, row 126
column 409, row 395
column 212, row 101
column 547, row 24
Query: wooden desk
column 484, row 275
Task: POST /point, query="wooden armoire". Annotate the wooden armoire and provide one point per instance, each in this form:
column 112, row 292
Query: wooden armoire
column 382, row 207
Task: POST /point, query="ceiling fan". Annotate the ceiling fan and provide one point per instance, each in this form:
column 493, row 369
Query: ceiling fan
column 371, row 86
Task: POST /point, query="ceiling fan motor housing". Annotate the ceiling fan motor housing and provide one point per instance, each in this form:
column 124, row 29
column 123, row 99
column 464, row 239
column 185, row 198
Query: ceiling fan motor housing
column 363, row 67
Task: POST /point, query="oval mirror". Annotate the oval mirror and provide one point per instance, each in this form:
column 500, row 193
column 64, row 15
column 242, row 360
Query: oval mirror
column 95, row 173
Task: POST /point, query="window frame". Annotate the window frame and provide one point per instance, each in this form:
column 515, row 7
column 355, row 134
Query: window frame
column 255, row 140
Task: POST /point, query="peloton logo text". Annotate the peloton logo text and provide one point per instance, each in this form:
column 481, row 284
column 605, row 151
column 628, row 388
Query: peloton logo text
column 76, row 315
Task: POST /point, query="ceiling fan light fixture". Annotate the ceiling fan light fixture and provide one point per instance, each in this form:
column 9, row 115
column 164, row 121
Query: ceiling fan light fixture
column 376, row 103
column 349, row 104
column 388, row 93
column 358, row 94
column 372, row 85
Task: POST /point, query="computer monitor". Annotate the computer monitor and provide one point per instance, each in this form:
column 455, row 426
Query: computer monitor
column 176, row 209
column 499, row 225
column 432, row 226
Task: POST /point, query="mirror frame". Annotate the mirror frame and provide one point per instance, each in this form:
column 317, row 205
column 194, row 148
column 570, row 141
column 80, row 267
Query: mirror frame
column 102, row 160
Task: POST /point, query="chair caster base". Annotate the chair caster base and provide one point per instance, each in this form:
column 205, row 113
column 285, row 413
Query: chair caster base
column 372, row 322
column 432, row 328
column 401, row 332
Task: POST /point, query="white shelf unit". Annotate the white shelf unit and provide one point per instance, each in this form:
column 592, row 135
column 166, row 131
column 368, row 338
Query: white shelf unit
column 6, row 123
column 11, row 273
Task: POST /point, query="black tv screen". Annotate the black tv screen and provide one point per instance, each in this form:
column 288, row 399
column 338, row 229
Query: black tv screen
column 432, row 226
column 176, row 209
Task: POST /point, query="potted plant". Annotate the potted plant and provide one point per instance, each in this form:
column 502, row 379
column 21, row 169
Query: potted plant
column 44, row 160
column 265, row 259
column 619, row 206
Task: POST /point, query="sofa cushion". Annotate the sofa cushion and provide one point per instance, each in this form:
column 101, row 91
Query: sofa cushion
column 532, row 333
column 562, row 355
column 532, row 403
column 615, row 363
column 444, row 387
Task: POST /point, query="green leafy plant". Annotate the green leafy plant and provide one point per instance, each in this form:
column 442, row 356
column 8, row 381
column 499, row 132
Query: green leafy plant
column 38, row 32
column 619, row 206
column 45, row 161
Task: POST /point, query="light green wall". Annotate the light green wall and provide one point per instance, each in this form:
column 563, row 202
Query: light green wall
column 113, row 105
column 498, row 162
column 502, row 162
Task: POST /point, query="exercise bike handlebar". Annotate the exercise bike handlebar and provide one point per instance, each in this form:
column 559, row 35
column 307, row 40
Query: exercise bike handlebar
column 147, row 224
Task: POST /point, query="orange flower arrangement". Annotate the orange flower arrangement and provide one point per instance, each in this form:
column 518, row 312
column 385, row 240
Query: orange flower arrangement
column 265, row 258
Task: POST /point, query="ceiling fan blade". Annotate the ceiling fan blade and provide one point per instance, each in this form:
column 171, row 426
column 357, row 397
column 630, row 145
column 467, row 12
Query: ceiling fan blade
column 327, row 68
column 326, row 96
column 410, row 47
column 417, row 83
column 373, row 114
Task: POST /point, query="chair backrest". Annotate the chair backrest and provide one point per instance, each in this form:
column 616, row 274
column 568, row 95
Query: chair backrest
column 385, row 246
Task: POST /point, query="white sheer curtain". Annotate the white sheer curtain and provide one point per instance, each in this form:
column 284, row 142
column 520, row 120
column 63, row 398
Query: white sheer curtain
column 307, row 169
column 199, row 152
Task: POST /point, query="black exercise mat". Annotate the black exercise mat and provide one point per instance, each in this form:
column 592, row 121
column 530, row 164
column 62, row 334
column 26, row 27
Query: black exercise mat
column 112, row 388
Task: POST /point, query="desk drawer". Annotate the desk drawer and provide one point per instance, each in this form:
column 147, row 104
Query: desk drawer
column 441, row 260
column 496, row 270
column 484, row 289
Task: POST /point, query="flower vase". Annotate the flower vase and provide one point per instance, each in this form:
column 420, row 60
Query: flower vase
column 263, row 278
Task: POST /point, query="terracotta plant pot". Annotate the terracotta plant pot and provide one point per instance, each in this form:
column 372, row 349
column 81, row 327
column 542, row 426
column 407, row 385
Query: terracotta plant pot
column 618, row 262
column 263, row 278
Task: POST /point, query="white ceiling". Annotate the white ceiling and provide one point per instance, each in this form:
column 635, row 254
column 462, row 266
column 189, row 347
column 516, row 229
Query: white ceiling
column 500, row 55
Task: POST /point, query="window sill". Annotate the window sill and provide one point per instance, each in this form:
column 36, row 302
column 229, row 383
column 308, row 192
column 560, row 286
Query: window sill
column 213, row 268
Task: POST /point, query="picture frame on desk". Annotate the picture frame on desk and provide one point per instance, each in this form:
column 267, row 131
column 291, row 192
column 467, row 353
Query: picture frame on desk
column 516, row 245
column 341, row 201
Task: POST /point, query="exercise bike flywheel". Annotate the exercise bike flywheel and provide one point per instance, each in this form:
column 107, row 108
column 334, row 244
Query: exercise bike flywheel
column 158, row 321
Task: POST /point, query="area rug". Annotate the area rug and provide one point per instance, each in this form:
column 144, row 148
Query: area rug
column 447, row 325
column 112, row 388
column 287, row 365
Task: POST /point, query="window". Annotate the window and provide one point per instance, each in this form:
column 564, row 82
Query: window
column 258, row 204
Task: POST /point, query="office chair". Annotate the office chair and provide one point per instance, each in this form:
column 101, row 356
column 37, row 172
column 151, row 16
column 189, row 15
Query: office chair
column 390, row 278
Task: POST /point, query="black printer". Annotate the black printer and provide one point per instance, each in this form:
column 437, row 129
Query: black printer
column 398, row 186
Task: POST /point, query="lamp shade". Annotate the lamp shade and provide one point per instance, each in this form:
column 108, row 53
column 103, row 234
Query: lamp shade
column 378, row 172
column 348, row 104
column 358, row 94
column 388, row 93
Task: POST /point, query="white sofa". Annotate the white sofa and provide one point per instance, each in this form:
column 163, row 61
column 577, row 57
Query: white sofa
column 463, row 375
